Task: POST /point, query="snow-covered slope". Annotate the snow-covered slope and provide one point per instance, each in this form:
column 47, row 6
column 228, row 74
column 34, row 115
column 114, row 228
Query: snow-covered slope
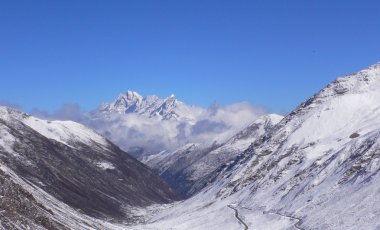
column 62, row 166
column 333, row 123
column 65, row 131
column 316, row 169
column 193, row 166
column 321, row 157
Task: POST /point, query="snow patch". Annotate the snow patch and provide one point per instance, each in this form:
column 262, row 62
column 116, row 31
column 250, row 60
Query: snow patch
column 65, row 131
column 105, row 165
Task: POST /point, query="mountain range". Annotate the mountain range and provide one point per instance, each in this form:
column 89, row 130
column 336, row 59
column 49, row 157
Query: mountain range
column 315, row 168
column 151, row 106
column 148, row 125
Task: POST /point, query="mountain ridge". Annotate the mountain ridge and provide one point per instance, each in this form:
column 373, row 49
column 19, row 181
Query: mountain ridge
column 152, row 106
column 77, row 167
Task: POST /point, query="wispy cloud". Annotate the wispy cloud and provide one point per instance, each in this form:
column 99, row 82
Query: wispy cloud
column 71, row 112
column 216, row 123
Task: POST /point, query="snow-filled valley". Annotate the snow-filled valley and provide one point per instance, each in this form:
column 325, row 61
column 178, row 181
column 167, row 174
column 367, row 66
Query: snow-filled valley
column 316, row 168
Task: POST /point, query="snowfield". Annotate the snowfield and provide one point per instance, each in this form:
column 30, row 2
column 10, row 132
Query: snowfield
column 61, row 131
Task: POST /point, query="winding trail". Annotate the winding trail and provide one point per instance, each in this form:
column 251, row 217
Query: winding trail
column 296, row 225
column 238, row 217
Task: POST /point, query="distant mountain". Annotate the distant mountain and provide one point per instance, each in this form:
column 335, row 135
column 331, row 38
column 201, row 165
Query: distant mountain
column 60, row 174
column 151, row 106
column 318, row 168
column 148, row 125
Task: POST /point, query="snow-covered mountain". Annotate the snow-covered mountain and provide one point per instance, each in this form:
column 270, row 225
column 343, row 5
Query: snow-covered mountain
column 62, row 175
column 151, row 106
column 318, row 168
column 148, row 125
column 193, row 166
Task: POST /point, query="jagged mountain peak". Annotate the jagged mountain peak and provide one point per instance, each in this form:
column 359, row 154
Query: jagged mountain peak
column 151, row 106
column 172, row 100
column 128, row 101
column 131, row 93
column 130, row 97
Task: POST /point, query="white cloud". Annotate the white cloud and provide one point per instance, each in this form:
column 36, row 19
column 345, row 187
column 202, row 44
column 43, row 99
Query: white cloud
column 71, row 112
column 217, row 123
column 214, row 124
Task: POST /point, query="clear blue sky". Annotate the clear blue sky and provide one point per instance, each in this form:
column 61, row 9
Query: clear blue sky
column 270, row 53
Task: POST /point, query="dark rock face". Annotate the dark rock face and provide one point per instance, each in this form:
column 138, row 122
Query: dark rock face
column 73, row 173
column 19, row 208
column 354, row 135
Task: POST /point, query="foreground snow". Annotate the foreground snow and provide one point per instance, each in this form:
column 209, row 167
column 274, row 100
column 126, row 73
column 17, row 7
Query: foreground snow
column 204, row 212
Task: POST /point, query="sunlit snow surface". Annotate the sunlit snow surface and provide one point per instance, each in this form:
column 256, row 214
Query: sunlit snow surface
column 105, row 165
column 62, row 131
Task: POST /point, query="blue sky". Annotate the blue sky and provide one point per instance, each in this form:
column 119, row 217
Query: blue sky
column 270, row 53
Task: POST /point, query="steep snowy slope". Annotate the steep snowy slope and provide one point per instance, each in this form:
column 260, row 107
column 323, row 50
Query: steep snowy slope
column 317, row 169
column 193, row 166
column 74, row 166
column 331, row 126
column 322, row 157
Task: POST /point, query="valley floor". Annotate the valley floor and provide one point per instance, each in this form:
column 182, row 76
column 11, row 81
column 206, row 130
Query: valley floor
column 199, row 213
